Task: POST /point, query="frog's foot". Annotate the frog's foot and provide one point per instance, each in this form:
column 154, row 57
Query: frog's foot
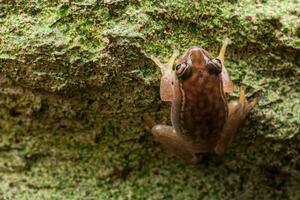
column 173, row 142
column 247, row 105
column 168, row 78
column 166, row 66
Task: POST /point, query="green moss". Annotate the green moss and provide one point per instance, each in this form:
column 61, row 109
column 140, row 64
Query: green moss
column 78, row 96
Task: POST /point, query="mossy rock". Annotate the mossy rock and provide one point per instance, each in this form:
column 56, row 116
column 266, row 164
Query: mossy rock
column 79, row 94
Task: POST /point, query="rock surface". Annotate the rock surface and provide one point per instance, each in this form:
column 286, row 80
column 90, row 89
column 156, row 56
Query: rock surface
column 78, row 96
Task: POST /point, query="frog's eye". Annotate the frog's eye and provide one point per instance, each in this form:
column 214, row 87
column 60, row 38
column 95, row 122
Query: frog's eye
column 182, row 70
column 217, row 61
column 214, row 66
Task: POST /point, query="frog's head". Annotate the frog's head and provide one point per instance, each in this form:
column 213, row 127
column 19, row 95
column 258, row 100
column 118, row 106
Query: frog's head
column 197, row 60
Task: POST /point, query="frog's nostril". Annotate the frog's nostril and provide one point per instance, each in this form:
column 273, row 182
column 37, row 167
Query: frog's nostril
column 178, row 66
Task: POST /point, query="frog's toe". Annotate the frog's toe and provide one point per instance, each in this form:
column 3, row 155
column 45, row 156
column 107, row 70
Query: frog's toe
column 166, row 66
column 156, row 61
column 248, row 105
column 242, row 95
column 161, row 130
column 173, row 57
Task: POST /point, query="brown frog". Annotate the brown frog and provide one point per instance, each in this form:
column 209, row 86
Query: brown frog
column 202, row 119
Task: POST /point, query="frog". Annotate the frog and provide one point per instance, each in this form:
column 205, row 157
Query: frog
column 203, row 120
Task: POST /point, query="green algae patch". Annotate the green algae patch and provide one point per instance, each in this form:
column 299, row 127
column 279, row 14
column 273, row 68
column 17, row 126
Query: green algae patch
column 79, row 94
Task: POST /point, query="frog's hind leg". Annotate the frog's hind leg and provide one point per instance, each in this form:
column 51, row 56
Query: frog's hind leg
column 227, row 83
column 168, row 76
column 238, row 111
column 167, row 136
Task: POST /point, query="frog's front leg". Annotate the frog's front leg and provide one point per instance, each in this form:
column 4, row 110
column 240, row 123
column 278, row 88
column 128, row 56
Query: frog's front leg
column 238, row 111
column 174, row 142
column 168, row 76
